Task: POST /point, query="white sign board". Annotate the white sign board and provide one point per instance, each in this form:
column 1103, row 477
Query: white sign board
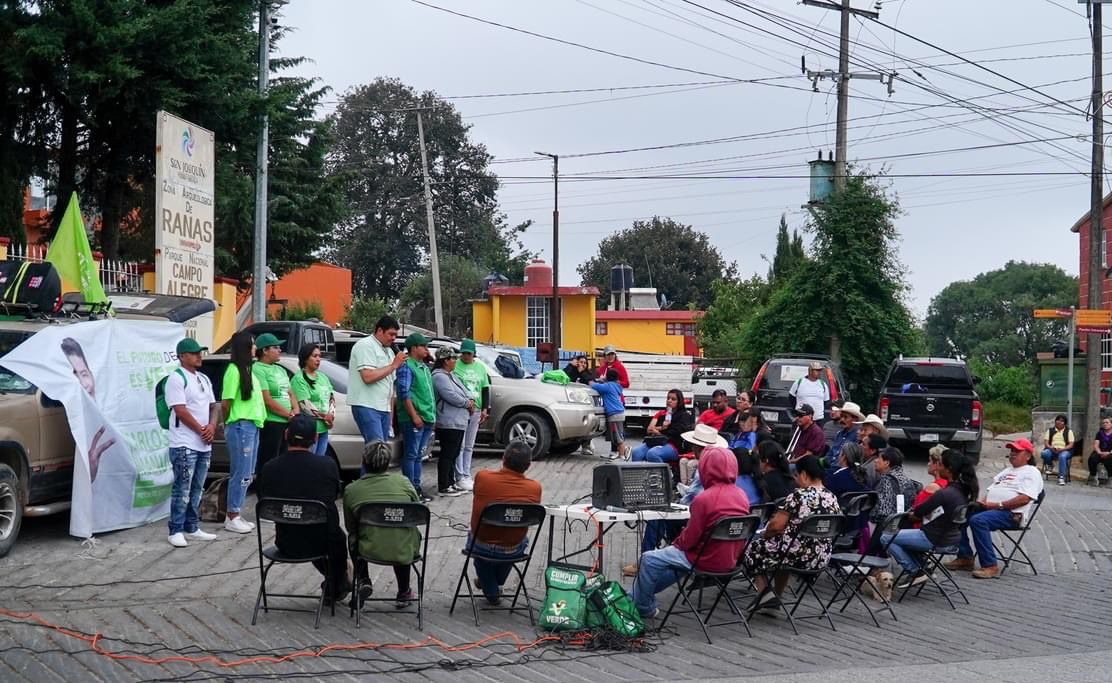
column 184, row 214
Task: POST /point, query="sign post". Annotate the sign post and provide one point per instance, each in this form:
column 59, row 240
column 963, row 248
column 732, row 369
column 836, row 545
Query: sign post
column 1084, row 321
column 184, row 215
column 1069, row 375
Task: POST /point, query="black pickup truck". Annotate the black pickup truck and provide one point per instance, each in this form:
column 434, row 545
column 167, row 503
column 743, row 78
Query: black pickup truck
column 926, row 401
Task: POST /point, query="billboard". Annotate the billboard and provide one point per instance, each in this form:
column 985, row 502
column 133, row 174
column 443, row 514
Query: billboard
column 184, row 241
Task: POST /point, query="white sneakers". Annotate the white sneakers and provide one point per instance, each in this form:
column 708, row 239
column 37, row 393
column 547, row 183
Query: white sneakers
column 178, row 540
column 238, row 525
column 466, row 484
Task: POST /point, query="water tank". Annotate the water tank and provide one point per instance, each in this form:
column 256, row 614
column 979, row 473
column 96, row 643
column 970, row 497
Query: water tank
column 621, row 278
column 822, row 179
column 538, row 274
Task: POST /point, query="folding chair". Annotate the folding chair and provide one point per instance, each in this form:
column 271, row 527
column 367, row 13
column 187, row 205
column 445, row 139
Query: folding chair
column 764, row 511
column 850, row 570
column 1017, row 540
column 503, row 516
column 821, row 527
column 291, row 512
column 856, row 507
column 726, row 529
column 933, row 562
column 391, row 516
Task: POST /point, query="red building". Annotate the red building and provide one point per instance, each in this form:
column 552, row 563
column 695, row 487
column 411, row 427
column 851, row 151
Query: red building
column 1081, row 227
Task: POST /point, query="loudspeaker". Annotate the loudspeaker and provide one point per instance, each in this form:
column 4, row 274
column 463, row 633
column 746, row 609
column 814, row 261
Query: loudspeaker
column 632, row 486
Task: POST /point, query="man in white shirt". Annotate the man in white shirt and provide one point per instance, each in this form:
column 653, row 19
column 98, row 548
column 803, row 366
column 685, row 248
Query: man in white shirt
column 812, row 391
column 371, row 380
column 1006, row 504
column 193, row 422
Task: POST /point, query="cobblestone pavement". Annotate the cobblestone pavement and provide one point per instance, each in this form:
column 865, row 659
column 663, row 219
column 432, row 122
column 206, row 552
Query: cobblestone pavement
column 124, row 590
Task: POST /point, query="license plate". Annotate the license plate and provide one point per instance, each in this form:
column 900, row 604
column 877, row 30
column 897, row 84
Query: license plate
column 928, row 438
column 770, row 415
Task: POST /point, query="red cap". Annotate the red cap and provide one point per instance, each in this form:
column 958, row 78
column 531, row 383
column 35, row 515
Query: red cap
column 1021, row 445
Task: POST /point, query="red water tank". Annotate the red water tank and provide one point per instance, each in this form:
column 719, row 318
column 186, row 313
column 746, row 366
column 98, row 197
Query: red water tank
column 538, row 274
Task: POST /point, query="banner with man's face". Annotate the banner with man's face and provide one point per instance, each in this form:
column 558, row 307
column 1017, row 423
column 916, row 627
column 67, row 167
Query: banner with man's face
column 104, row 373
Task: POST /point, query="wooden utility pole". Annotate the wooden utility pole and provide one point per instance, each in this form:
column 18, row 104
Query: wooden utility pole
column 434, row 257
column 1096, row 224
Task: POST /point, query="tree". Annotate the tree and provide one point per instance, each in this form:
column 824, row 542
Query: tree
column 789, row 254
column 461, row 280
column 677, row 259
column 733, row 304
column 364, row 312
column 989, row 318
column 850, row 288
column 377, row 160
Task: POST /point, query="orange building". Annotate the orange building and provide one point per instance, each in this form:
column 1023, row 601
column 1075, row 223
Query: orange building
column 324, row 283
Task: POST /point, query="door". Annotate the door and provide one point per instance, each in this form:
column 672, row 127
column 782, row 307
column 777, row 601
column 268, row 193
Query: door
column 690, row 345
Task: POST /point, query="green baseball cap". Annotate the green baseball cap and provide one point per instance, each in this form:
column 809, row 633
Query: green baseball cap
column 190, row 345
column 265, row 340
column 416, row 339
column 467, row 346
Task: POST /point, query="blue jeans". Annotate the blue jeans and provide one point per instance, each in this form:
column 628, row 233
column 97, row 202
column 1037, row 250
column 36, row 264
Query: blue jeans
column 1063, row 461
column 657, row 571
column 190, row 468
column 321, row 447
column 463, row 462
column 665, row 453
column 492, row 575
column 374, row 425
column 414, row 441
column 658, row 529
column 242, row 437
column 907, row 547
column 981, row 526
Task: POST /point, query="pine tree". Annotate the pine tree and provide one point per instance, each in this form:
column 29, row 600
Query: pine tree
column 789, row 254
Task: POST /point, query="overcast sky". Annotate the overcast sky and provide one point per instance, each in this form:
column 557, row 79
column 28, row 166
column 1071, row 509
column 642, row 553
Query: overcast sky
column 953, row 227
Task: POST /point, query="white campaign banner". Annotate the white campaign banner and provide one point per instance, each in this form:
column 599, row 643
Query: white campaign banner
column 104, row 373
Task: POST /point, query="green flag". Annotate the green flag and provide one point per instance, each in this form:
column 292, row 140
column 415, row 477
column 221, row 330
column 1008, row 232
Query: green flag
column 72, row 257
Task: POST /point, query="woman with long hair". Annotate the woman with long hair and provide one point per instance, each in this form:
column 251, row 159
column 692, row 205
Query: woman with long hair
column 670, row 424
column 936, row 515
column 776, row 477
column 241, row 397
column 314, row 394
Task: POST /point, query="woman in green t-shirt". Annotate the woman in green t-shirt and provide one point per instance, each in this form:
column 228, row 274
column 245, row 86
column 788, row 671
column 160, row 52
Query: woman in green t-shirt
column 241, row 397
column 277, row 396
column 313, row 391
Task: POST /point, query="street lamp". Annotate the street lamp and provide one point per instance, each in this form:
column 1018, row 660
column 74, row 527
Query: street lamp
column 554, row 310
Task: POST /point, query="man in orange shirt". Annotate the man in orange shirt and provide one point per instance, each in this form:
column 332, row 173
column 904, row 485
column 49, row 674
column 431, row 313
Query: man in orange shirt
column 507, row 485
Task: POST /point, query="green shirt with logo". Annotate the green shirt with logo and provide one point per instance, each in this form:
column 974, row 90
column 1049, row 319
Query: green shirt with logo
column 252, row 409
column 319, row 393
column 276, row 381
column 474, row 377
column 421, row 393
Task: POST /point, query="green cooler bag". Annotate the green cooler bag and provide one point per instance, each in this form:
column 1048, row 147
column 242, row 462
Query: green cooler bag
column 610, row 608
column 565, row 599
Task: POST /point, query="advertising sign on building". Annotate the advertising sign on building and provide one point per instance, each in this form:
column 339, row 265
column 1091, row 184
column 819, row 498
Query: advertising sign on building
column 184, row 214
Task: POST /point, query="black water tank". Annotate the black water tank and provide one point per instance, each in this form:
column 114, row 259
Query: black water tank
column 621, row 278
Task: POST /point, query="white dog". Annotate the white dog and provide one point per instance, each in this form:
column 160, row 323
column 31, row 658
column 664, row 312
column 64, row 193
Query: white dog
column 878, row 586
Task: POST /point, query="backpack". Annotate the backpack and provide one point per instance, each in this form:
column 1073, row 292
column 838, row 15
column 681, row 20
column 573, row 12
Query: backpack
column 565, row 599
column 160, row 408
column 214, row 501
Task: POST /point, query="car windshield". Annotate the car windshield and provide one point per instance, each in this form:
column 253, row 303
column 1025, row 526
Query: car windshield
column 780, row 375
column 11, row 382
column 929, row 375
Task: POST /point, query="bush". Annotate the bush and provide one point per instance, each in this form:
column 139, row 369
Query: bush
column 363, row 313
column 1003, row 418
column 1011, row 385
column 302, row 311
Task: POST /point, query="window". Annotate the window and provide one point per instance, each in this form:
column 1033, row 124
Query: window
column 1106, row 353
column 601, row 329
column 536, row 320
column 680, row 329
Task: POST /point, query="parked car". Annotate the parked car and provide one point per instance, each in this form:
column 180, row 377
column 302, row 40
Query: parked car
column 775, row 378
column 551, row 418
column 345, row 443
column 293, row 334
column 926, row 401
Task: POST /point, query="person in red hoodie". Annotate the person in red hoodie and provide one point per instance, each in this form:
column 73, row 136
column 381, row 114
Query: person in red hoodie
column 610, row 360
column 720, row 498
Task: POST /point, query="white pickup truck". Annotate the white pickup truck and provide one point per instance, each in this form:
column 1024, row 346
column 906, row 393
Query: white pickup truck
column 652, row 376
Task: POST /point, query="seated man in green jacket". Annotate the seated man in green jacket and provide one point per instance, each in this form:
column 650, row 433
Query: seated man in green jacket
column 400, row 547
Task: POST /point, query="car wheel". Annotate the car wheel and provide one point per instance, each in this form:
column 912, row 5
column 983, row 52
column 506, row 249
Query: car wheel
column 11, row 509
column 531, row 429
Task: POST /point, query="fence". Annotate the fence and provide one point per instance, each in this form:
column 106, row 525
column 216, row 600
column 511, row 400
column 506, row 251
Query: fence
column 115, row 276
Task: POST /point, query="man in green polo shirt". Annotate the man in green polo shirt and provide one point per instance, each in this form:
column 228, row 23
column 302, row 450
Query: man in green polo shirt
column 416, row 408
column 473, row 375
column 278, row 397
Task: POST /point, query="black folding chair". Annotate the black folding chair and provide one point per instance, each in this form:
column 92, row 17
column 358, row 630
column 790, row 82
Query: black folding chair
column 503, row 516
column 390, row 516
column 727, row 529
column 291, row 512
column 764, row 510
column 933, row 562
column 1015, row 537
column 856, row 507
column 850, row 570
column 820, row 527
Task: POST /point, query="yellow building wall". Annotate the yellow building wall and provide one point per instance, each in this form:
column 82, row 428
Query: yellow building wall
column 482, row 329
column 224, row 318
column 511, row 320
column 643, row 336
column 578, row 314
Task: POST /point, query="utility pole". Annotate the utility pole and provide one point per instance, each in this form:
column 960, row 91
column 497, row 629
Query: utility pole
column 1096, row 223
column 554, row 310
column 258, row 278
column 434, row 257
